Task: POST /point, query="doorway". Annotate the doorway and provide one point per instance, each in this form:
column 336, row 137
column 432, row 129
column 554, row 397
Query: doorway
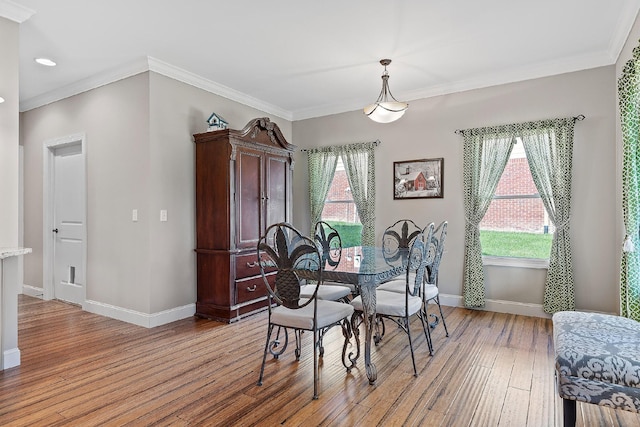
column 65, row 230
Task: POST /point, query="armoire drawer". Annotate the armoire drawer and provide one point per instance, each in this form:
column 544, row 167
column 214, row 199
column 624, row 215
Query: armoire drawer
column 250, row 289
column 247, row 266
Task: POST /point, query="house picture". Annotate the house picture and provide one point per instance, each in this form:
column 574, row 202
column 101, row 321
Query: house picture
column 139, row 170
column 418, row 179
column 413, row 181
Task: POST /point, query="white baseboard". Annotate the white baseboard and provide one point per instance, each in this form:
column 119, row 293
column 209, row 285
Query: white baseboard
column 499, row 306
column 138, row 318
column 32, row 291
column 124, row 314
column 11, row 358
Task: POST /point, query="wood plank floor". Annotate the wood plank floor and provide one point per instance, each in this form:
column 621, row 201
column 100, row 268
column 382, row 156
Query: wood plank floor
column 81, row 369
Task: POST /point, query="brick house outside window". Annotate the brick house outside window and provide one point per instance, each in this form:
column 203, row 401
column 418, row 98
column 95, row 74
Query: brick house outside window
column 517, row 206
column 339, row 204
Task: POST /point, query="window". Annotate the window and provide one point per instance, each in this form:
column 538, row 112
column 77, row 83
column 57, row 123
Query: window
column 340, row 210
column 516, row 225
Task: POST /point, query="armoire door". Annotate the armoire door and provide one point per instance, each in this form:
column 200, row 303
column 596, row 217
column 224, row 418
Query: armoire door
column 249, row 198
column 277, row 189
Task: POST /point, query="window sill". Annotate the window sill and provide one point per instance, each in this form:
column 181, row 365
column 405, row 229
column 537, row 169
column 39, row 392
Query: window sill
column 516, row 262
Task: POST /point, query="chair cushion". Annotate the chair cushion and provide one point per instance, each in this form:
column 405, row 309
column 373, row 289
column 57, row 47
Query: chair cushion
column 598, row 359
column 412, row 278
column 349, row 286
column 430, row 292
column 395, row 285
column 326, row 292
column 391, row 303
column 329, row 312
column 399, row 286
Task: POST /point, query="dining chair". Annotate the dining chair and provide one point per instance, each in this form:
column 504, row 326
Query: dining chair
column 397, row 237
column 396, row 241
column 431, row 290
column 398, row 284
column 400, row 307
column 286, row 249
column 329, row 244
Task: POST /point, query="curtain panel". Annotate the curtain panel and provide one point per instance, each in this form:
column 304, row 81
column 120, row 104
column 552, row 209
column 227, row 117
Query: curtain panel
column 628, row 98
column 485, row 155
column 359, row 163
column 548, row 147
column 322, row 168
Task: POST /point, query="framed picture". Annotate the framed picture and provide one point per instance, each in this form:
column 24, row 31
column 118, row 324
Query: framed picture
column 418, row 179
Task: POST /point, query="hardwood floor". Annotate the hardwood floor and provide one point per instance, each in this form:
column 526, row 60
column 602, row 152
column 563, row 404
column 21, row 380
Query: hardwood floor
column 81, row 369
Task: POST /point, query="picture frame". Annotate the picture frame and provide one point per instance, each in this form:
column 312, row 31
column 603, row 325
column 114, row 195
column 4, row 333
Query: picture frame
column 418, row 179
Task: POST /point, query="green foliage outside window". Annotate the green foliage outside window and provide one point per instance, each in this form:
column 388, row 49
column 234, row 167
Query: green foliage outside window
column 350, row 233
column 515, row 244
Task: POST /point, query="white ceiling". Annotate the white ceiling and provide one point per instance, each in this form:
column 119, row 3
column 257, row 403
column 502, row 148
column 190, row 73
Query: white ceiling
column 299, row 59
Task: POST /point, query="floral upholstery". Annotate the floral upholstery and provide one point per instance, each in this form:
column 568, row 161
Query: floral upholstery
column 598, row 359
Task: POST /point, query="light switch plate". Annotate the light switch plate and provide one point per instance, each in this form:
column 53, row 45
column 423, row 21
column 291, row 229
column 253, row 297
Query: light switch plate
column 163, row 215
column 134, row 215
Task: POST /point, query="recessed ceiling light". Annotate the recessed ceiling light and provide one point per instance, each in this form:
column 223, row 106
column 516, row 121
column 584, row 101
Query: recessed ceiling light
column 45, row 61
column 1, row 100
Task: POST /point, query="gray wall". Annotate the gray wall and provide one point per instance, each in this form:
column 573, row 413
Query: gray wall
column 427, row 131
column 140, row 155
column 115, row 119
column 9, row 124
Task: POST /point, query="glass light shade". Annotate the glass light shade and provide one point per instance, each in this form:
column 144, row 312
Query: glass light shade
column 383, row 110
column 1, row 100
column 386, row 112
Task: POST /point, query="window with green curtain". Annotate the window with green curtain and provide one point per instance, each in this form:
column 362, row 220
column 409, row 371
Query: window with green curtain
column 359, row 164
column 548, row 145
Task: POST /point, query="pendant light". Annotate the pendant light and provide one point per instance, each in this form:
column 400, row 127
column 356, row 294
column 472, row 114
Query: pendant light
column 385, row 110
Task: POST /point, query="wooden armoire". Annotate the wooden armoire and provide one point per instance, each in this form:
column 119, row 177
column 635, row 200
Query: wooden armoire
column 243, row 185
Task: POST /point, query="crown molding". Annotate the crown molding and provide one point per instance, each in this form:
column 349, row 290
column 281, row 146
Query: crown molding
column 152, row 64
column 192, row 79
column 14, row 11
column 95, row 81
column 523, row 73
column 529, row 72
column 623, row 28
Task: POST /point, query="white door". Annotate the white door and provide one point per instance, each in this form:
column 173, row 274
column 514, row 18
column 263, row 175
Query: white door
column 68, row 224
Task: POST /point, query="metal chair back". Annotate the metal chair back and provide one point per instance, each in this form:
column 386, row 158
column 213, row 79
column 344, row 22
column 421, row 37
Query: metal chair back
column 286, row 249
column 419, row 261
column 330, row 244
column 398, row 238
column 436, row 250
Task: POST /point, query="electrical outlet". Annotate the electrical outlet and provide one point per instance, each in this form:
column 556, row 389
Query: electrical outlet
column 163, row 215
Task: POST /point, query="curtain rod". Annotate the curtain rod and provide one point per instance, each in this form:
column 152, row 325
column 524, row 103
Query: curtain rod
column 578, row 118
column 377, row 142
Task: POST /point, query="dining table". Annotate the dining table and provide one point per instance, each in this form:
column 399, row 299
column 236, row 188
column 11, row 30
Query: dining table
column 366, row 267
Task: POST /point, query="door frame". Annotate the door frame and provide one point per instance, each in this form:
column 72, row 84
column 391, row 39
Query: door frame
column 48, row 158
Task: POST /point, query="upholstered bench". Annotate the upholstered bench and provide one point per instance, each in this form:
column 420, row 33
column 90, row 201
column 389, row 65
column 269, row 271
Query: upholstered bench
column 597, row 361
